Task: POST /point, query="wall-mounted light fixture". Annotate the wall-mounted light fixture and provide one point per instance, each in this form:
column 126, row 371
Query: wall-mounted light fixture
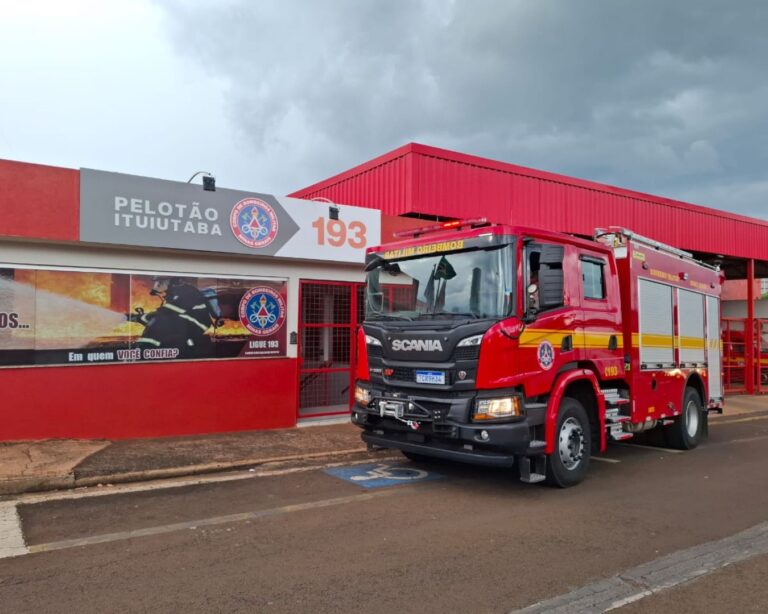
column 209, row 181
column 333, row 208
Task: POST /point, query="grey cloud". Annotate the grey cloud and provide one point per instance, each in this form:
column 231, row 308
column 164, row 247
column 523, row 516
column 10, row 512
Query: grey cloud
column 665, row 97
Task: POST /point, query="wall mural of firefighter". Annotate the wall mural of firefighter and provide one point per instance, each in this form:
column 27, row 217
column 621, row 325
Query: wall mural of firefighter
column 51, row 316
column 182, row 319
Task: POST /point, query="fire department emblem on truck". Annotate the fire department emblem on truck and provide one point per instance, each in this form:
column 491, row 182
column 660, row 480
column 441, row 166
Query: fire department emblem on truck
column 262, row 311
column 545, row 355
column 253, row 222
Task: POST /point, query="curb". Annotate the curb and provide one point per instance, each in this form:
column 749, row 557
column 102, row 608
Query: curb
column 17, row 486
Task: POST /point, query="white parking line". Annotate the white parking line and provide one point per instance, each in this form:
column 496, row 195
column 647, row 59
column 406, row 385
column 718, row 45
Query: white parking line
column 119, row 489
column 742, row 440
column 204, row 522
column 737, row 420
column 604, row 459
column 11, row 537
column 654, row 448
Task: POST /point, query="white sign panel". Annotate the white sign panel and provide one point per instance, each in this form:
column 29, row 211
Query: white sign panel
column 130, row 210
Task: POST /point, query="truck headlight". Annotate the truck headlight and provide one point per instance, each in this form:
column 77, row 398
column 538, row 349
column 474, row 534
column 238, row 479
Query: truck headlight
column 362, row 396
column 470, row 341
column 372, row 340
column 494, row 409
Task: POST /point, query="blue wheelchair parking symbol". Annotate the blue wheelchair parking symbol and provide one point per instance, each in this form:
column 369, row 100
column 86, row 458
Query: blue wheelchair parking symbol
column 380, row 475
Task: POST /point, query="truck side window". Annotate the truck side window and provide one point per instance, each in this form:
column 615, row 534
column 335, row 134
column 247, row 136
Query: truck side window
column 544, row 263
column 592, row 278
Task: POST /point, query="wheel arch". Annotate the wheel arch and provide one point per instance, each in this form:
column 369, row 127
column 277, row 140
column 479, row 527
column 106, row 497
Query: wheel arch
column 582, row 385
column 696, row 382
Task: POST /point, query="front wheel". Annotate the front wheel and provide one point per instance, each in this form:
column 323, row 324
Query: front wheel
column 688, row 429
column 569, row 463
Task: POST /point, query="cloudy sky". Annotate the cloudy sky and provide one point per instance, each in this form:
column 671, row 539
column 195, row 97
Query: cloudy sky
column 664, row 97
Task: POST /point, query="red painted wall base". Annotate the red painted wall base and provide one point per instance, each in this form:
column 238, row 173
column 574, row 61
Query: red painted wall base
column 147, row 400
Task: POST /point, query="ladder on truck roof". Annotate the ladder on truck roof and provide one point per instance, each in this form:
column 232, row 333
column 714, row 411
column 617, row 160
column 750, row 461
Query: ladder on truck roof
column 663, row 247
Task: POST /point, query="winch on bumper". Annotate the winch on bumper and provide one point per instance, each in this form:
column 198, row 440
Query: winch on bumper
column 449, row 427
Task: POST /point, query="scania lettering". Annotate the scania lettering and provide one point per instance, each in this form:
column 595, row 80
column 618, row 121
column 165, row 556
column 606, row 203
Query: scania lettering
column 515, row 347
column 417, row 345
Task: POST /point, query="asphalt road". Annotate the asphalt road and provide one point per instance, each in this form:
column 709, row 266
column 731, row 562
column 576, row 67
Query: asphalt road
column 471, row 539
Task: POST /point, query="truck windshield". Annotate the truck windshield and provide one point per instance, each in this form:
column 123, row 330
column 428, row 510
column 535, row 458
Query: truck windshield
column 470, row 284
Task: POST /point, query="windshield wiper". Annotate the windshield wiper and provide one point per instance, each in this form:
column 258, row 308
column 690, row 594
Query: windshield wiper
column 458, row 314
column 388, row 316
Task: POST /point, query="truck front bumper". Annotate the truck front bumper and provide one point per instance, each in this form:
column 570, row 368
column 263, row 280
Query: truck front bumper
column 440, row 449
column 496, row 444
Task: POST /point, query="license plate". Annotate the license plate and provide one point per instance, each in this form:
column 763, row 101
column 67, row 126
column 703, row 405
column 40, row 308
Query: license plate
column 430, row 377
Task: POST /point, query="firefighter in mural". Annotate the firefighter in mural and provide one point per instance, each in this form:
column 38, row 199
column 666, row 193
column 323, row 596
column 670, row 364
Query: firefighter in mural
column 181, row 321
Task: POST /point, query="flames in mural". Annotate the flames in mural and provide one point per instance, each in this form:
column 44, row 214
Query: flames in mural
column 86, row 308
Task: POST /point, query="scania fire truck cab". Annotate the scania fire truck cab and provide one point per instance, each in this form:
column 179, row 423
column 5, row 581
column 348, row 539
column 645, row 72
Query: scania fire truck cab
column 499, row 345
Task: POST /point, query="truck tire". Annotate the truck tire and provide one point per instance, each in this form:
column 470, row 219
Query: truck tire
column 569, row 463
column 688, row 429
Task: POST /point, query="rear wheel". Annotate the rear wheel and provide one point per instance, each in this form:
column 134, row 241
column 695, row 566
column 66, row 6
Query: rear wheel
column 569, row 463
column 688, row 429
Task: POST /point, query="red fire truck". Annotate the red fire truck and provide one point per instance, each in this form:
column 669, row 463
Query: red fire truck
column 499, row 345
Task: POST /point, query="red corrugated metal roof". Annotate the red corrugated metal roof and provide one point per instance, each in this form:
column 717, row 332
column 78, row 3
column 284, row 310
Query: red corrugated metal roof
column 422, row 179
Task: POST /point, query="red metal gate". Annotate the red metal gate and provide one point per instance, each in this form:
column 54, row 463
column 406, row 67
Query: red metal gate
column 761, row 355
column 734, row 354
column 737, row 344
column 329, row 315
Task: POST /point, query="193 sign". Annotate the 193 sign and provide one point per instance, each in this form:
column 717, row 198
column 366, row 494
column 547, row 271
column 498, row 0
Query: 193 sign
column 337, row 233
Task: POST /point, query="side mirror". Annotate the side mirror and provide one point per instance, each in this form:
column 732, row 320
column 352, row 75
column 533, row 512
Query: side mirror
column 533, row 300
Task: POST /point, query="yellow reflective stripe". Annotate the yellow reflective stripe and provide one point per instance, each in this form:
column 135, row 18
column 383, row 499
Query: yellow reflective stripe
column 596, row 340
column 653, row 341
column 532, row 338
column 587, row 340
column 600, row 340
column 665, row 341
column 692, row 343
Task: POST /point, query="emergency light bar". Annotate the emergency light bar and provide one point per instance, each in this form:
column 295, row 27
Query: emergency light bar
column 452, row 225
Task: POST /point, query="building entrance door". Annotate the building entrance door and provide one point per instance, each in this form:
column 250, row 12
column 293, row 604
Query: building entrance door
column 329, row 316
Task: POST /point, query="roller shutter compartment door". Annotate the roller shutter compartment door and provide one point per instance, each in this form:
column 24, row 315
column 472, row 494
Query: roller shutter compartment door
column 690, row 328
column 714, row 356
column 656, row 326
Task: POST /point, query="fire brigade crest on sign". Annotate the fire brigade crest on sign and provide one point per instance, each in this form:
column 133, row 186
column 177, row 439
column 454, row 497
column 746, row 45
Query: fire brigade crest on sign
column 253, row 222
column 545, row 355
column 262, row 311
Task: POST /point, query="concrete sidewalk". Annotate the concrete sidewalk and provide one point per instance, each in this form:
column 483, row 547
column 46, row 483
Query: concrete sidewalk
column 27, row 466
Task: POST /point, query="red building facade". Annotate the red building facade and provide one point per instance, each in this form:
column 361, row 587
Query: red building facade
column 41, row 221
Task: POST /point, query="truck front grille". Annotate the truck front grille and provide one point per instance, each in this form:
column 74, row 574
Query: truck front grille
column 405, row 374
column 467, row 353
column 408, row 374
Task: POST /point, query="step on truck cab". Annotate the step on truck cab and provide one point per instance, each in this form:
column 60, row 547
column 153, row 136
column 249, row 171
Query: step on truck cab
column 500, row 345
